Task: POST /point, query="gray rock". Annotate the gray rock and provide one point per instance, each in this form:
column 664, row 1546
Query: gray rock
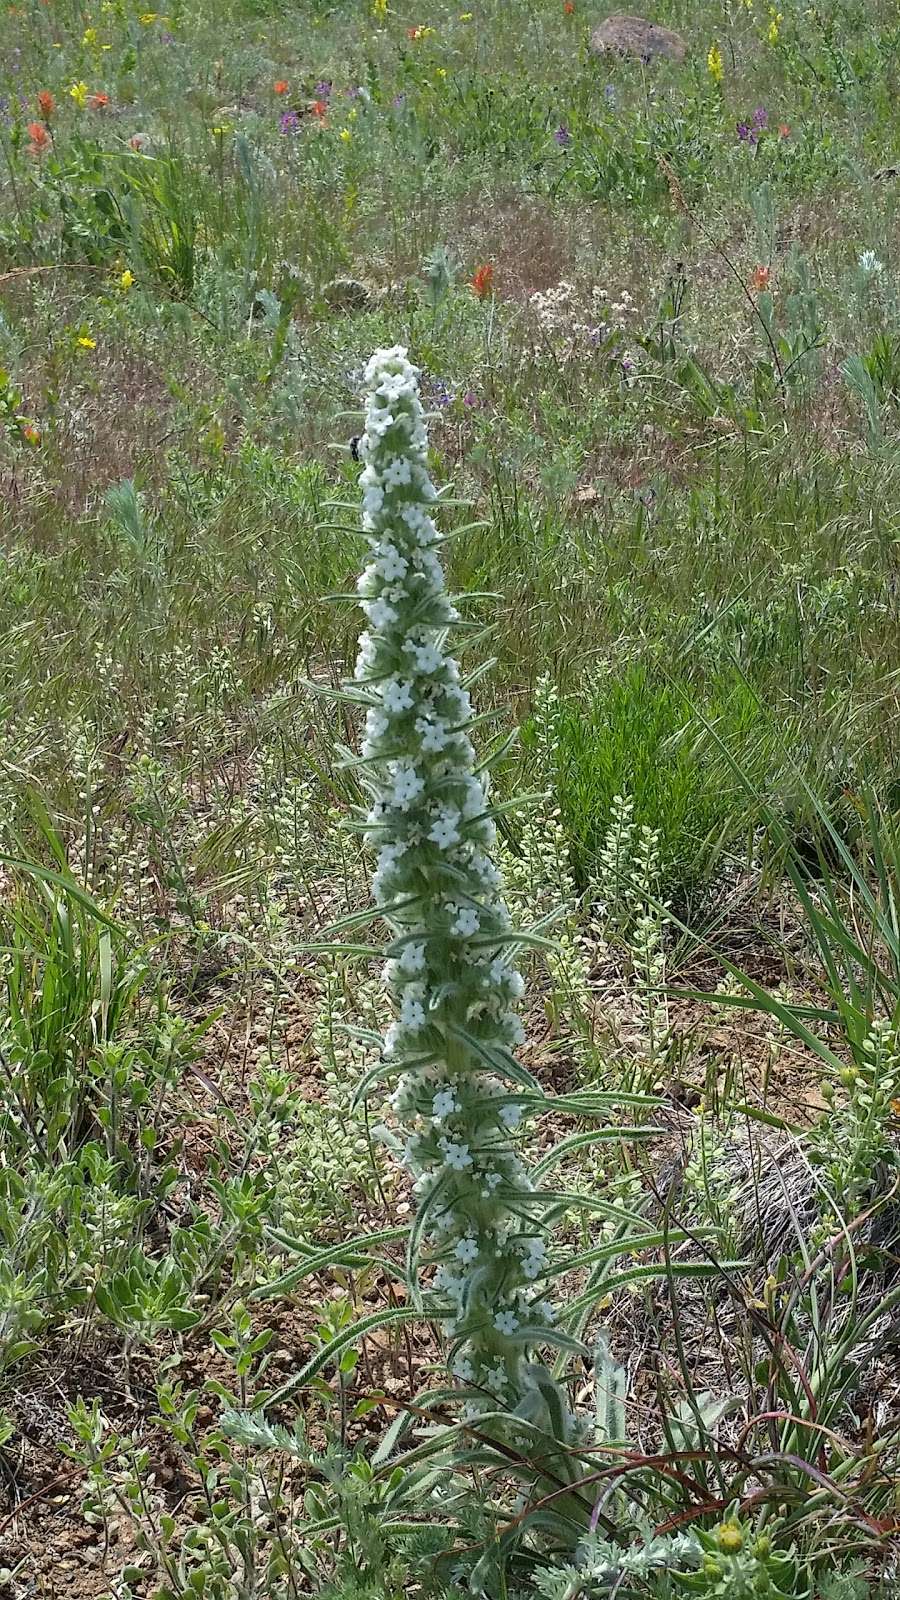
column 348, row 294
column 634, row 36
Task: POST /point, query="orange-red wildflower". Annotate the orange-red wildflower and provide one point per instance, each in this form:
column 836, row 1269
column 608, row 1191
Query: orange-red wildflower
column 568, row 7
column 483, row 281
column 319, row 108
column 784, row 130
column 281, row 87
column 759, row 278
column 98, row 102
column 46, row 104
column 40, row 139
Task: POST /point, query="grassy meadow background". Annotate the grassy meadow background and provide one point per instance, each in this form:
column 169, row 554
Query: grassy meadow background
column 656, row 312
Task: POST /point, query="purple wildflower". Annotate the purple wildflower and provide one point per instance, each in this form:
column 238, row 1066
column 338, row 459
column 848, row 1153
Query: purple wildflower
column 440, row 393
column 470, row 399
column 323, row 89
column 399, row 101
column 752, row 131
column 289, row 121
column 563, row 136
column 609, row 94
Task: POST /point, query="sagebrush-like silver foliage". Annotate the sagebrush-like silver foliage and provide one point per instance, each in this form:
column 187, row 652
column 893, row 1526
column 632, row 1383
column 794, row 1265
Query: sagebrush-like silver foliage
column 461, row 1092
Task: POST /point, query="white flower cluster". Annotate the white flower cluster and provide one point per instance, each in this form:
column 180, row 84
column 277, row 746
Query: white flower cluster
column 448, row 965
column 568, row 324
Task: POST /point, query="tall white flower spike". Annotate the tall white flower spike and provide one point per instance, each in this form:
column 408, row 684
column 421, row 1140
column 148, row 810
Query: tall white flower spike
column 449, row 969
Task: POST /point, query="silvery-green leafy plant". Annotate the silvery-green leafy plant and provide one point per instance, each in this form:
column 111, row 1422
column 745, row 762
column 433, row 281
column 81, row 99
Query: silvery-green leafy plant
column 450, row 970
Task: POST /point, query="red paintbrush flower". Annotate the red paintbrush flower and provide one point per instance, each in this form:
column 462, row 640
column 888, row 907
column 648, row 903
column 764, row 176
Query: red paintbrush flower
column 483, row 281
column 40, row 139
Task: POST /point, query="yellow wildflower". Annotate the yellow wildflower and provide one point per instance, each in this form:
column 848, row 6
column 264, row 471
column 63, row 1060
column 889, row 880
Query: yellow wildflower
column 440, row 72
column 79, row 93
column 126, row 279
column 86, row 343
column 89, row 37
column 379, row 8
column 346, row 135
column 730, row 1538
column 466, row 16
column 775, row 21
column 148, row 17
column 714, row 64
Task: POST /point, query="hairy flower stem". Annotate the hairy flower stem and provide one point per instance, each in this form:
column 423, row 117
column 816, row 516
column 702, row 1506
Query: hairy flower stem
column 460, row 1091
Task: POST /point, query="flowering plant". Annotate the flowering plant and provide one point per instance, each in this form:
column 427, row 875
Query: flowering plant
column 450, row 965
column 483, row 281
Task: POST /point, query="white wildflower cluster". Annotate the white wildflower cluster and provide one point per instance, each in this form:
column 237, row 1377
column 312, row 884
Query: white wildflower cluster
column 567, row 323
column 628, row 879
column 854, row 1141
column 869, row 264
column 323, row 1155
column 448, row 969
column 539, row 879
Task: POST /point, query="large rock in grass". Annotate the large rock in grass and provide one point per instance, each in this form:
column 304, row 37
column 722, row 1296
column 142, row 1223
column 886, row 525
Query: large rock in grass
column 645, row 41
column 348, row 294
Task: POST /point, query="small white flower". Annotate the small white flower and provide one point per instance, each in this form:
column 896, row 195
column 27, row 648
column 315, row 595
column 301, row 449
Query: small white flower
column 376, row 723
column 427, row 658
column 412, row 958
column 390, row 563
column 467, row 1250
column 379, row 613
column 445, row 831
column 391, row 1040
column 408, row 785
column 506, row 1322
column 475, row 801
column 396, row 695
column 466, row 921
column 444, row 1104
column 456, row 1155
column 397, row 473
column 412, row 1012
column 511, row 1115
column 535, row 1257
column 365, row 661
column 433, row 734
column 448, row 1282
